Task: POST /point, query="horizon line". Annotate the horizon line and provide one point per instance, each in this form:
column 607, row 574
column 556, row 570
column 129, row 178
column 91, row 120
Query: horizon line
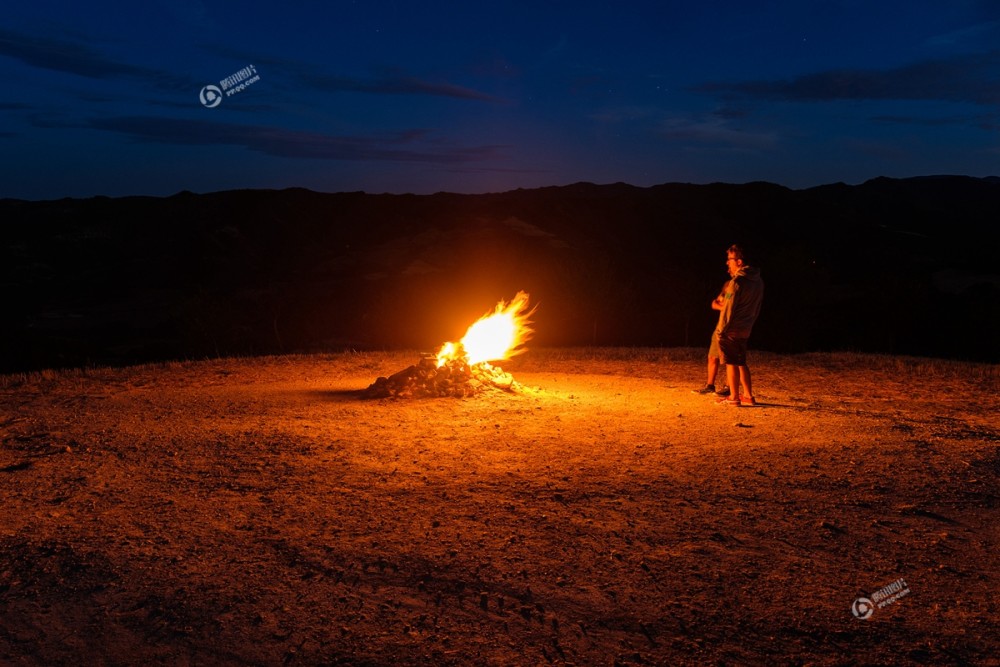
column 496, row 192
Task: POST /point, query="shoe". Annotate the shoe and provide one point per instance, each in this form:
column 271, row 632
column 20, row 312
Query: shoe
column 707, row 389
column 735, row 402
column 723, row 392
column 749, row 401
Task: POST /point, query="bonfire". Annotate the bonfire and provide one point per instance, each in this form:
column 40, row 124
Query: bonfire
column 463, row 369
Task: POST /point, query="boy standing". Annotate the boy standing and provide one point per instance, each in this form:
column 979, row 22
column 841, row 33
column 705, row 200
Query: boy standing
column 741, row 301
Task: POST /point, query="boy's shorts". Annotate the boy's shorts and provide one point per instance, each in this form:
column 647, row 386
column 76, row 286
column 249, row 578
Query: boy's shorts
column 733, row 349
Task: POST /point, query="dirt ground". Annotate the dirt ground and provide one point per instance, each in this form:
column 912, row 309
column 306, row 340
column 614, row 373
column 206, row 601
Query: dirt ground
column 260, row 512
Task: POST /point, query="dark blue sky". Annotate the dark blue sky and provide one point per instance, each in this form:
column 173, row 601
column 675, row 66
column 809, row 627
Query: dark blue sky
column 103, row 97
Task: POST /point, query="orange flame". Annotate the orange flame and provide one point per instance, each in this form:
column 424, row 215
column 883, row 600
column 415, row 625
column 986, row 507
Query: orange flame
column 495, row 336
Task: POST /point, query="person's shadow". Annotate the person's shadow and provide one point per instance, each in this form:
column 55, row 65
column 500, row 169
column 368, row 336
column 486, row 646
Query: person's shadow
column 340, row 395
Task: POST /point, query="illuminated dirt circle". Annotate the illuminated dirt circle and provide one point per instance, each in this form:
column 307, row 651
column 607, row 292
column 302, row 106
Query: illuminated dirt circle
column 260, row 511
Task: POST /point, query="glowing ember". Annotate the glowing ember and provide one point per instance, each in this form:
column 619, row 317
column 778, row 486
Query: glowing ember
column 495, row 336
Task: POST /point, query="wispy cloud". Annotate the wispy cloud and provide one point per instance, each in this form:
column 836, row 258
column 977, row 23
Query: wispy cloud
column 716, row 131
column 392, row 83
column 624, row 114
column 79, row 59
column 382, row 81
column 971, row 78
column 881, row 151
column 983, row 122
column 499, row 170
column 185, row 104
column 48, row 120
column 408, row 146
column 980, row 33
column 721, row 128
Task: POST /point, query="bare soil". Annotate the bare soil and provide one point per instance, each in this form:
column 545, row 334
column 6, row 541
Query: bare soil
column 261, row 512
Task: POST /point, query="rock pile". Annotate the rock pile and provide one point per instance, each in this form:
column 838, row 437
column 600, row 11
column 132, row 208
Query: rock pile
column 428, row 380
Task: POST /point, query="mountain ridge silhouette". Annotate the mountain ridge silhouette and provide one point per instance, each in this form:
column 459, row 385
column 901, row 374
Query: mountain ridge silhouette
column 896, row 266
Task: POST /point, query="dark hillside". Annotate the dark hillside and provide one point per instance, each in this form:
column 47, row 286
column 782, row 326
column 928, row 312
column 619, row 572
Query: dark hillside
column 894, row 266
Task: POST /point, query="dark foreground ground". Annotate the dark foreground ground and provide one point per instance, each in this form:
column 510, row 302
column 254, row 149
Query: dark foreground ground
column 260, row 512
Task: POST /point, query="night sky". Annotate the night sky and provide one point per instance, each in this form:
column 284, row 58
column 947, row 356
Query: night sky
column 105, row 98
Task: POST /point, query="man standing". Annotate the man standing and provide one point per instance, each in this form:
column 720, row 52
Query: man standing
column 741, row 300
column 714, row 356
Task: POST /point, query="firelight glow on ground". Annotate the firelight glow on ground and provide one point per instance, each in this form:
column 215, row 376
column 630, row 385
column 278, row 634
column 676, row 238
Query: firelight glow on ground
column 258, row 511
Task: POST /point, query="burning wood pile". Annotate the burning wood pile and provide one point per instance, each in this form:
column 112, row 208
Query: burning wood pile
column 463, row 369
